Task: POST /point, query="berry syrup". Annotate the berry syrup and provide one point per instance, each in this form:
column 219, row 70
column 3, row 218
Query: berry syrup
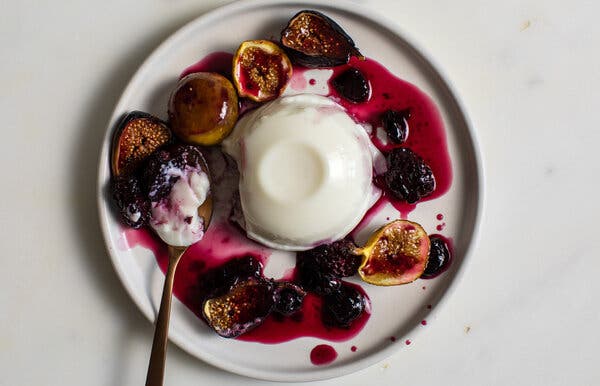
column 306, row 322
column 426, row 136
column 224, row 241
column 322, row 354
column 219, row 62
column 221, row 243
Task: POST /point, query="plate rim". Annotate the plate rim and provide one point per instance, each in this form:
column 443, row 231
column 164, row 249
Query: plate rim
column 362, row 12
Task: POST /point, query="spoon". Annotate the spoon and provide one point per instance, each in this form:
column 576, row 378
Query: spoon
column 156, row 367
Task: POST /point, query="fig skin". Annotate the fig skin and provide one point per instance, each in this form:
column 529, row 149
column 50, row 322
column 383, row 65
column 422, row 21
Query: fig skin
column 145, row 134
column 261, row 70
column 203, row 108
column 334, row 46
column 395, row 254
column 241, row 309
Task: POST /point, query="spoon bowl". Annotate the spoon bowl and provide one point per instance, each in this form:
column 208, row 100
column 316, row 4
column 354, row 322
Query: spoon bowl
column 156, row 366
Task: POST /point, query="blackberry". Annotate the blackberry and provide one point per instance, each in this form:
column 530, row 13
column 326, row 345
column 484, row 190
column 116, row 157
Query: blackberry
column 311, row 278
column 352, row 85
column 342, row 307
column 337, row 259
column 288, row 298
column 408, row 177
column 395, row 124
column 162, row 170
column 134, row 209
column 439, row 257
column 219, row 280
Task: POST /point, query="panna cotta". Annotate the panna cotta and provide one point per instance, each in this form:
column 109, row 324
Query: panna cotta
column 305, row 171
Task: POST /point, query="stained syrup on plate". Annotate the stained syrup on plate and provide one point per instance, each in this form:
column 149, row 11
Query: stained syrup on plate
column 224, row 241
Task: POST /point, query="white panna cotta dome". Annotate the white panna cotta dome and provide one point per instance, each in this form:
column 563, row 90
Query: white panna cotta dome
column 305, row 171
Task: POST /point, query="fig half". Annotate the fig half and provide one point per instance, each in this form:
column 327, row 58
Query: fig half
column 261, row 70
column 314, row 40
column 137, row 135
column 243, row 308
column 395, row 254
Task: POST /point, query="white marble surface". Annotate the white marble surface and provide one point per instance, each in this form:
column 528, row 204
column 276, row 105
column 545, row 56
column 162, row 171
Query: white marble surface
column 527, row 309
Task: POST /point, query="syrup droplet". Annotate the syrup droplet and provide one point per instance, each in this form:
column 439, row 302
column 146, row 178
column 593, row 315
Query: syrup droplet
column 424, row 322
column 353, row 348
column 322, row 354
column 440, row 216
column 408, row 342
column 392, row 338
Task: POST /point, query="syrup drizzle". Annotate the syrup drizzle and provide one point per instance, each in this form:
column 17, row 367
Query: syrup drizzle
column 223, row 241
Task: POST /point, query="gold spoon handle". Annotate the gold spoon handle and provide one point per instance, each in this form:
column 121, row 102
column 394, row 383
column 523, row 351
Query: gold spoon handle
column 156, row 367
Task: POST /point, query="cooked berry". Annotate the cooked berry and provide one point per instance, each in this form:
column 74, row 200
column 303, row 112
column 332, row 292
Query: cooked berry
column 395, row 124
column 352, row 85
column 163, row 169
column 439, row 257
column 338, row 259
column 219, row 280
column 133, row 207
column 408, row 177
column 288, row 298
column 342, row 307
column 311, row 278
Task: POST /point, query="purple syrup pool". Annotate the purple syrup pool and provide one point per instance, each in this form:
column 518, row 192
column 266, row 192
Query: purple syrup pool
column 426, row 137
column 223, row 241
column 322, row 354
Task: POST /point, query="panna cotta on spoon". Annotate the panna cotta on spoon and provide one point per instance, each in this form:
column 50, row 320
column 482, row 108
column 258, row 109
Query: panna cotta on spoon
column 305, row 171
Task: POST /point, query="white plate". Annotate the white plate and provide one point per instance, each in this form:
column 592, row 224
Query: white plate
column 396, row 311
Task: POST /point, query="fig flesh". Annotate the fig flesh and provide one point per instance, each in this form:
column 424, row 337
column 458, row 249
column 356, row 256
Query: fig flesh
column 203, row 108
column 395, row 254
column 261, row 70
column 243, row 308
column 314, row 40
column 138, row 135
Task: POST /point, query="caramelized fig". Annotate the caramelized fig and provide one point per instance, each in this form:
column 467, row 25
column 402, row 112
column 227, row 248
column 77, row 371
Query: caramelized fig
column 314, row 40
column 243, row 308
column 261, row 70
column 138, row 135
column 395, row 254
column 203, row 108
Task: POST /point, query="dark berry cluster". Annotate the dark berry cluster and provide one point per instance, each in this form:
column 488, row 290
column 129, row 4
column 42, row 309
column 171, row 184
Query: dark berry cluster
column 158, row 174
column 133, row 206
column 352, row 85
column 439, row 257
column 342, row 307
column 220, row 280
column 288, row 298
column 408, row 177
column 134, row 192
column 395, row 124
column 320, row 271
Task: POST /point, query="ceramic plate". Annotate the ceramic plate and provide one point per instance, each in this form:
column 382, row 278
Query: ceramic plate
column 396, row 312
